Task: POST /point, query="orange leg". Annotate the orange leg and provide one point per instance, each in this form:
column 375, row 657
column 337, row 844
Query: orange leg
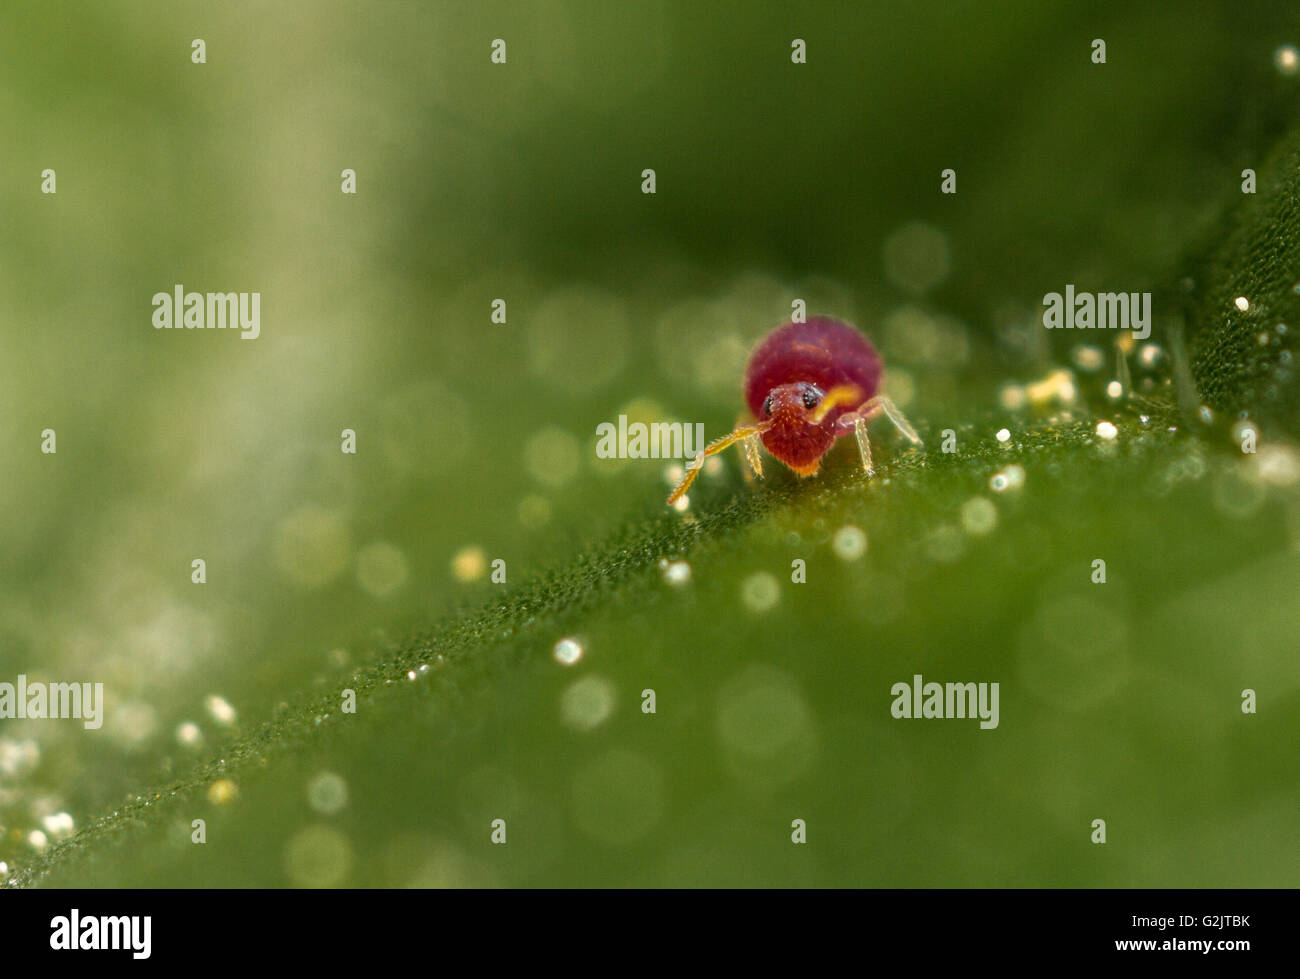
column 857, row 420
column 746, row 432
column 753, row 452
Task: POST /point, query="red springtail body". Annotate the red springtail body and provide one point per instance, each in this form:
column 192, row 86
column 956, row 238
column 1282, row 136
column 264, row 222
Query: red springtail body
column 806, row 385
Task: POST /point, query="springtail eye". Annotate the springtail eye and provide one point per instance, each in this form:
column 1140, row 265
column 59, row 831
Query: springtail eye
column 767, row 405
column 812, row 396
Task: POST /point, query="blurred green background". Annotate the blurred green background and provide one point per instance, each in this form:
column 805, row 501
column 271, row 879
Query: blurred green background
column 476, row 441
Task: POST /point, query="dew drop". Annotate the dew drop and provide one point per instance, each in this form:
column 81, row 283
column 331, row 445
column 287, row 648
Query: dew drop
column 318, row 856
column 849, row 543
column 1286, row 60
column 18, row 757
column 1278, row 465
column 59, row 825
column 327, row 793
column 676, row 573
column 1057, row 386
column 188, row 735
column 381, row 569
column 1012, row 477
column 1150, row 356
column 760, row 592
column 587, row 703
column 567, row 651
column 1235, row 495
column 553, row 456
column 312, row 546
column 220, row 709
column 1012, row 397
column 945, row 544
column 1088, row 358
column 221, row 791
column 979, row 516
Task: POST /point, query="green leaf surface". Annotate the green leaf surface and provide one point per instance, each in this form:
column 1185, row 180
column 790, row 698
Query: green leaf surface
column 329, row 572
column 773, row 697
column 1249, row 302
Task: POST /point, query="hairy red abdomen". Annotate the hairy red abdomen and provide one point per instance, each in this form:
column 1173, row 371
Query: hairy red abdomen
column 822, row 351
